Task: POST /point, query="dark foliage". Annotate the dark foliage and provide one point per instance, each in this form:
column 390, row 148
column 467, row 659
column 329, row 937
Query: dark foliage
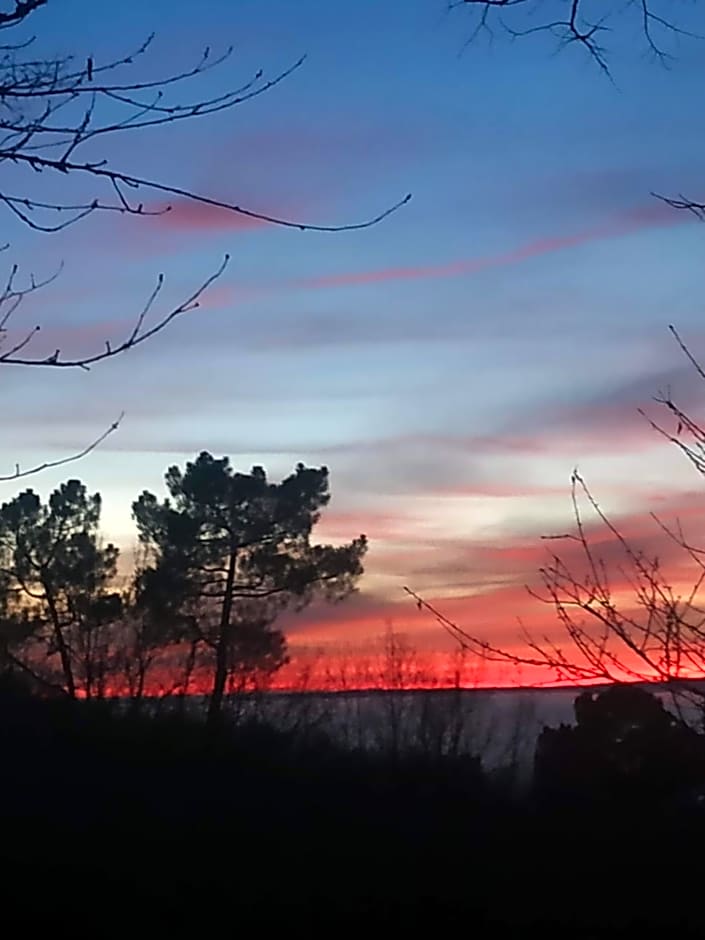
column 229, row 551
column 56, row 597
column 221, row 559
column 124, row 820
column 625, row 749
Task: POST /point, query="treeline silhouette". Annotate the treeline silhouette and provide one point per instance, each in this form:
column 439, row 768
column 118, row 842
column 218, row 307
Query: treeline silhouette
column 219, row 560
column 113, row 806
column 117, row 816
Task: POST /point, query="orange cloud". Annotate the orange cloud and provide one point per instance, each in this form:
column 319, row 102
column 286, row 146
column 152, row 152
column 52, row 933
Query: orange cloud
column 625, row 223
column 491, row 609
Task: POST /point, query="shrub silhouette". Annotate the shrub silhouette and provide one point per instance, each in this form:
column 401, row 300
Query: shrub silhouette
column 625, row 747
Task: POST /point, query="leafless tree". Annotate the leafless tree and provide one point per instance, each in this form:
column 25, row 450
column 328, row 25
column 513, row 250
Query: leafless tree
column 51, row 109
column 656, row 635
column 656, row 25
column 660, row 634
column 584, row 23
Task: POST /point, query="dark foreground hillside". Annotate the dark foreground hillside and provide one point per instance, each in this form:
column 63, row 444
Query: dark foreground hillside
column 133, row 824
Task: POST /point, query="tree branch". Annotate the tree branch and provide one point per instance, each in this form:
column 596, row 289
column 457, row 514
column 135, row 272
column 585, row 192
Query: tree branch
column 50, row 464
column 137, row 336
column 575, row 27
column 135, row 182
column 23, row 8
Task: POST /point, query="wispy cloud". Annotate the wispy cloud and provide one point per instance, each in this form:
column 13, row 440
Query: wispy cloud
column 489, row 606
column 626, row 222
column 610, row 420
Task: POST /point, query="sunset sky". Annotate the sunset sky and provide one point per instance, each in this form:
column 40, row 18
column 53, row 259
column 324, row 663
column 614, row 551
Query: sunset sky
column 453, row 364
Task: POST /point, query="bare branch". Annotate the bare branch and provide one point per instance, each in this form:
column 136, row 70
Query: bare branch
column 21, row 11
column 576, row 28
column 115, row 177
column 137, row 336
column 662, row 639
column 683, row 202
column 52, row 107
column 51, row 464
column 56, row 86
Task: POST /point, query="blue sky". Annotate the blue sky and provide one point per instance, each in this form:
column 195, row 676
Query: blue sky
column 451, row 365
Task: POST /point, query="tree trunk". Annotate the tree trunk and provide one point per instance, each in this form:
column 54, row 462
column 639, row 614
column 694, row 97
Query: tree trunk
column 189, row 668
column 141, row 675
column 63, row 649
column 221, row 651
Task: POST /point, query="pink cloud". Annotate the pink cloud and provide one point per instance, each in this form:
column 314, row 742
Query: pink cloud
column 610, row 421
column 494, row 489
column 592, row 427
column 626, row 222
column 187, row 215
column 576, row 433
column 384, row 526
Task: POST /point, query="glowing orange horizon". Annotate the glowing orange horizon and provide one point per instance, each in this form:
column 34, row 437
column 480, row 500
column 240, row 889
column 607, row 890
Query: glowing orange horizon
column 365, row 671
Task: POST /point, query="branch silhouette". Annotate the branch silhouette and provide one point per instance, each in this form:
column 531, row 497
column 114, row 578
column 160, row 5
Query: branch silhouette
column 57, row 87
column 137, row 336
column 578, row 26
column 62, row 461
column 23, row 8
column 135, row 182
column 52, row 108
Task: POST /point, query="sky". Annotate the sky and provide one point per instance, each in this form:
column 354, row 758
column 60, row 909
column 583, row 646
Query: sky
column 451, row 365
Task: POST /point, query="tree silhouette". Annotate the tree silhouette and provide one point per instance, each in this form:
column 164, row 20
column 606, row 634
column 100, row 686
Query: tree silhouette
column 625, row 746
column 51, row 109
column 149, row 628
column 57, row 588
column 237, row 551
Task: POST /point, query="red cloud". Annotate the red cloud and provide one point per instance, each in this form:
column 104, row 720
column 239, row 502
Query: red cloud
column 353, row 635
column 625, row 223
